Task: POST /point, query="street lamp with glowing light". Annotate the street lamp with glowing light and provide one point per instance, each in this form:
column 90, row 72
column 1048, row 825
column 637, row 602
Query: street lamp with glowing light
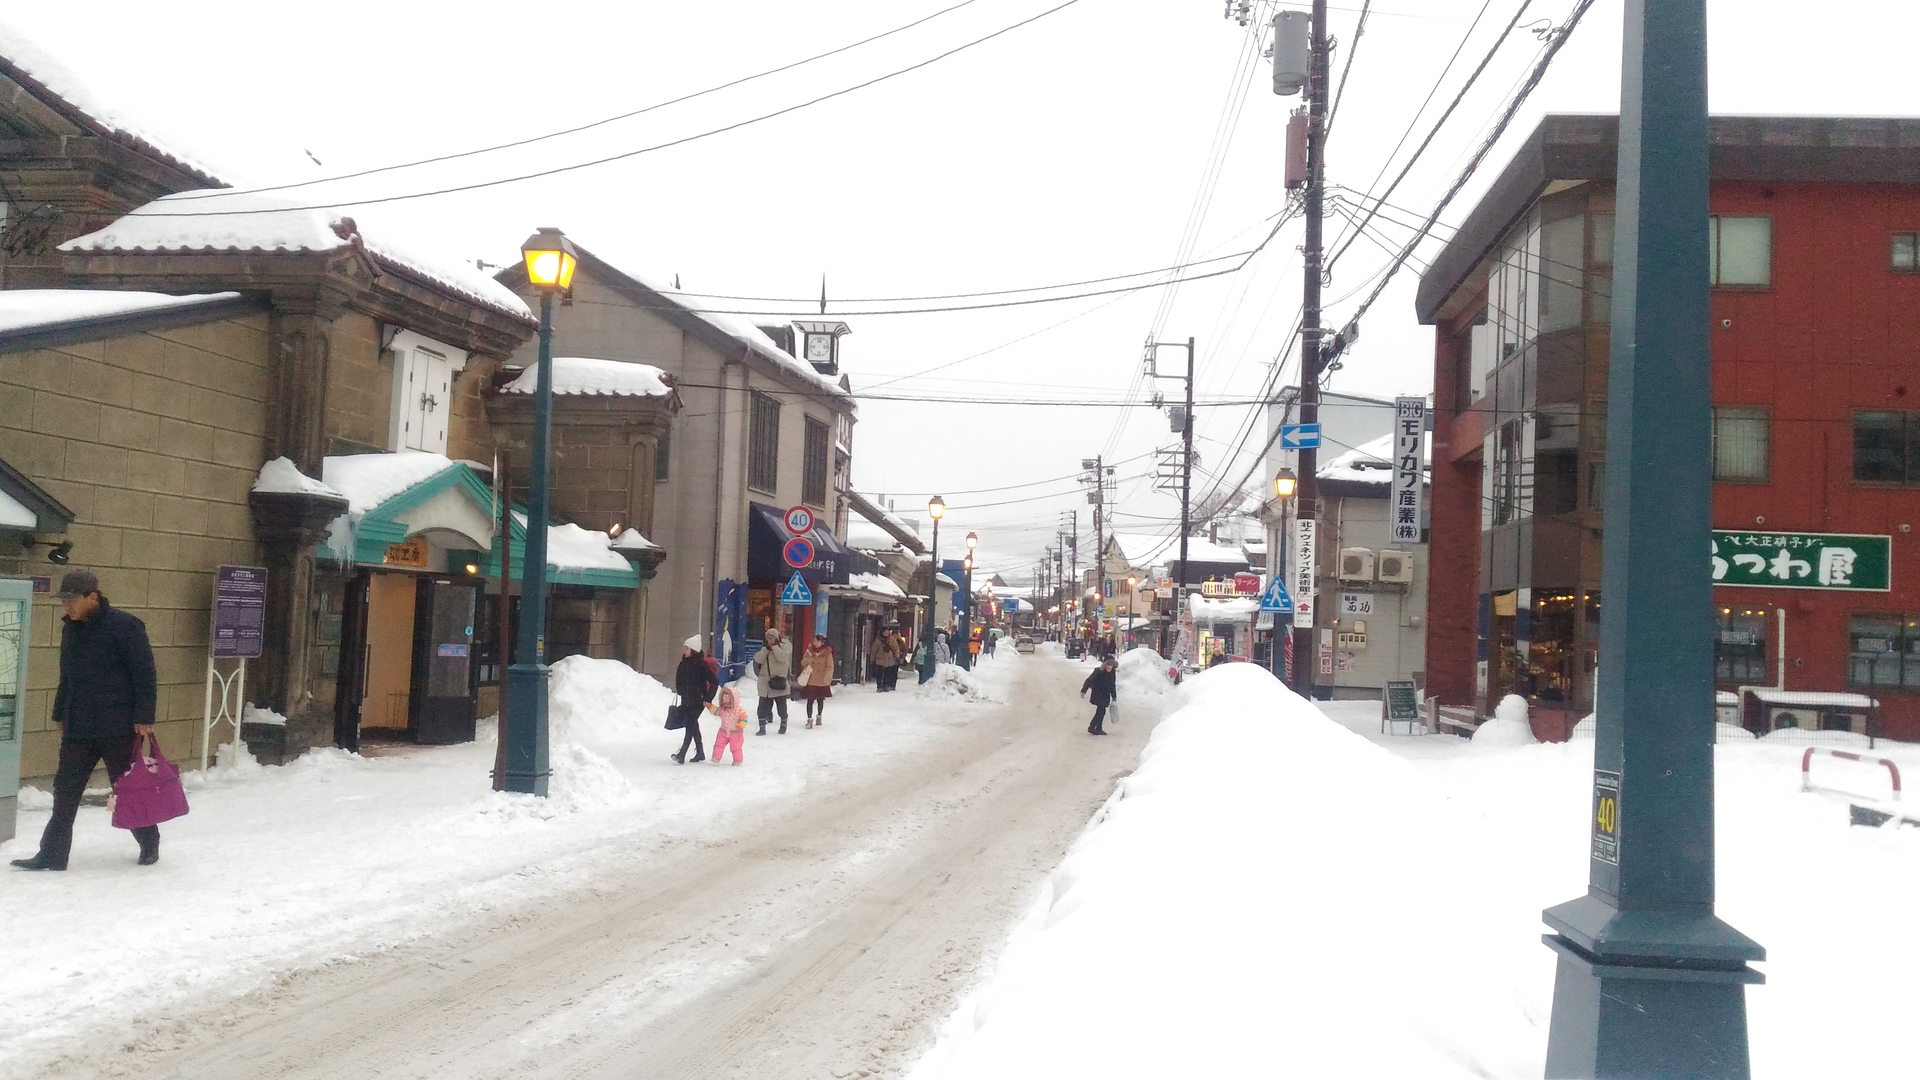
column 1285, row 484
column 550, row 261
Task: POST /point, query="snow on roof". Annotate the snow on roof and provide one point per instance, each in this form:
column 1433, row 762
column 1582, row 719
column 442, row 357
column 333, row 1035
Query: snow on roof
column 591, row 375
column 876, row 583
column 215, row 220
column 367, row 480
column 1142, row 550
column 1238, row 607
column 1200, row 550
column 281, row 475
column 1812, row 698
column 570, row 547
column 865, row 536
column 33, row 309
column 1368, row 463
column 20, row 54
column 739, row 327
column 947, row 581
column 631, row 540
column 15, row 514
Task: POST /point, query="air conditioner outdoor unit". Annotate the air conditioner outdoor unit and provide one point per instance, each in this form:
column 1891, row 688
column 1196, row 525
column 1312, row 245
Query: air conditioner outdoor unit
column 1356, row 564
column 1814, row 718
column 1397, row 567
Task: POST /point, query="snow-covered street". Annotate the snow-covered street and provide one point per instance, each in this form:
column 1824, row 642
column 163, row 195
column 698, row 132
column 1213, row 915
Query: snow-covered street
column 813, row 912
column 1282, row 890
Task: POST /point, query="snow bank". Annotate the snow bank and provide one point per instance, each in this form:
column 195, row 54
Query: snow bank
column 950, row 682
column 32, row 798
column 1143, row 673
column 603, row 701
column 1509, row 725
column 581, row 782
column 1214, row 920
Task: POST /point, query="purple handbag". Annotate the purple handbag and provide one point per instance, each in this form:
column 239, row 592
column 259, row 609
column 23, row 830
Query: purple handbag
column 150, row 792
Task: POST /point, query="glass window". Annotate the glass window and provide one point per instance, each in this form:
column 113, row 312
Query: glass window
column 663, row 456
column 1877, row 645
column 1602, row 240
column 1740, row 250
column 1906, row 252
column 1879, row 447
column 1740, row 647
column 813, row 473
column 763, row 442
column 1562, row 278
column 1739, row 444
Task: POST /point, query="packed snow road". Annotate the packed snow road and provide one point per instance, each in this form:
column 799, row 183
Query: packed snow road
column 823, row 935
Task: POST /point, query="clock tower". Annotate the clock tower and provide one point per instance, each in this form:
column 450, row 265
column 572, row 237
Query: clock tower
column 820, row 344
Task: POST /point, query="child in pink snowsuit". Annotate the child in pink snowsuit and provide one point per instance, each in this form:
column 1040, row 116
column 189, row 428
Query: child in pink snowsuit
column 733, row 726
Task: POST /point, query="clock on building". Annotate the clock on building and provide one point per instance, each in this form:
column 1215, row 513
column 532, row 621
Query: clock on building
column 819, row 348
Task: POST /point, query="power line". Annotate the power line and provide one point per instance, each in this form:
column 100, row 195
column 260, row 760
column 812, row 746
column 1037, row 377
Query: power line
column 1557, row 41
column 624, row 155
column 1359, row 31
column 530, row 140
column 1445, row 115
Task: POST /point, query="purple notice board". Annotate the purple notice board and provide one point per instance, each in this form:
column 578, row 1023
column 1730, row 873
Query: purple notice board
column 239, row 612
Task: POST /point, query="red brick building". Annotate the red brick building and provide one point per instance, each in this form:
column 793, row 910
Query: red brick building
column 1816, row 390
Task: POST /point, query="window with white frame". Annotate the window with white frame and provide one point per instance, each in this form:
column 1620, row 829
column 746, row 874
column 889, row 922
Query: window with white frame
column 1740, row 439
column 423, row 373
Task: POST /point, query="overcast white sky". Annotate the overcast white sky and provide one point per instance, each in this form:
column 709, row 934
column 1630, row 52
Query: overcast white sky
column 1071, row 148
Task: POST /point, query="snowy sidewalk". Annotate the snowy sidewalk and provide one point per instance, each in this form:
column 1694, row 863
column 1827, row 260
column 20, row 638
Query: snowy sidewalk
column 1272, row 893
column 334, row 855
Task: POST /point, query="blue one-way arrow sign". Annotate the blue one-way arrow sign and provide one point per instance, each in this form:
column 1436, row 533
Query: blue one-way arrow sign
column 796, row 594
column 1276, row 599
column 1299, row 436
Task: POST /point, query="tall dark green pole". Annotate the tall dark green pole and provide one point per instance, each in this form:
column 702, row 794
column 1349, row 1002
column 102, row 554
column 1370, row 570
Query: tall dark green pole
column 526, row 690
column 933, row 602
column 1650, row 982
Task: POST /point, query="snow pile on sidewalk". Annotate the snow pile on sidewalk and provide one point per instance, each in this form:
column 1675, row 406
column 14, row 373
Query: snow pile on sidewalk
column 949, row 681
column 1223, row 916
column 1142, row 673
column 1508, row 727
column 593, row 700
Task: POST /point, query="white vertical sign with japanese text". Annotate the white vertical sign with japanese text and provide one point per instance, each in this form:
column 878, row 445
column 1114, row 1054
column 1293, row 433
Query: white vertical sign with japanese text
column 1303, row 571
column 1409, row 435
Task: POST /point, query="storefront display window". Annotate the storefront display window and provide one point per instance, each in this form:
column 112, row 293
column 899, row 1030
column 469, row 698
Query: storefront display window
column 1740, row 647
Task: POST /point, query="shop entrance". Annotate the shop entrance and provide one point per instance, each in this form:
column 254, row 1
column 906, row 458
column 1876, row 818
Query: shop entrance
column 407, row 669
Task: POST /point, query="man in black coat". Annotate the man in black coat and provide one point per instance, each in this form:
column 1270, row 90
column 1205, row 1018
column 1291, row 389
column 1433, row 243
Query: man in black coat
column 1103, row 688
column 106, row 700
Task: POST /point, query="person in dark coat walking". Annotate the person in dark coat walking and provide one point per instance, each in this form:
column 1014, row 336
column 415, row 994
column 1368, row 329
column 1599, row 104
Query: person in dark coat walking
column 696, row 684
column 108, row 690
column 1102, row 687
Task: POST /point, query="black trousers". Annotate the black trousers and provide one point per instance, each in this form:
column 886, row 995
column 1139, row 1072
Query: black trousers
column 1099, row 718
column 692, row 740
column 765, row 711
column 77, row 759
column 889, row 677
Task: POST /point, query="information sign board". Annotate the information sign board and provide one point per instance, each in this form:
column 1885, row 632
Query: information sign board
column 239, row 612
column 1409, row 468
column 796, row 594
column 1402, row 700
column 1303, row 571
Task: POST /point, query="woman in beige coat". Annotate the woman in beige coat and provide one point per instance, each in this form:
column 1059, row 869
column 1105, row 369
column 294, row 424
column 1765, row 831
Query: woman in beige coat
column 816, row 679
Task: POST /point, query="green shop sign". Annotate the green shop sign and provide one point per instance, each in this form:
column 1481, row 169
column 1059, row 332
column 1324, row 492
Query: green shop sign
column 1785, row 560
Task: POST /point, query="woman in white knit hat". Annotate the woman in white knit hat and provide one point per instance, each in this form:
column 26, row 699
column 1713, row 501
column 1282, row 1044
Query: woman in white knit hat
column 695, row 683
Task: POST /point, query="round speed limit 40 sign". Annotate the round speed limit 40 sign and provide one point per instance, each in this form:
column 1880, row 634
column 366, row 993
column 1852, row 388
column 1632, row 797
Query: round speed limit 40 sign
column 799, row 520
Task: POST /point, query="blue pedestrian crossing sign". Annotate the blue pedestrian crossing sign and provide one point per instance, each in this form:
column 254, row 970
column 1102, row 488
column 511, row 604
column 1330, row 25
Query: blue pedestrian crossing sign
column 1276, row 599
column 796, row 594
column 1299, row 436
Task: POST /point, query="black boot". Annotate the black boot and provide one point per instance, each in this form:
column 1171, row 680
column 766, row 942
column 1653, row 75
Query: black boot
column 39, row 862
column 150, row 852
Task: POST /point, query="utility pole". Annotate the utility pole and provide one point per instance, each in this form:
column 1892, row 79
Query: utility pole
column 1650, row 982
column 1306, row 657
column 1185, row 424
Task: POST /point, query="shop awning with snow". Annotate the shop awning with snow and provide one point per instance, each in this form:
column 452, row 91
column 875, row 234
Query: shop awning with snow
column 421, row 511
column 767, row 536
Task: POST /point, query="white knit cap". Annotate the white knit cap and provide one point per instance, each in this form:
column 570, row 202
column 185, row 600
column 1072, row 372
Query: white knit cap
column 693, row 643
